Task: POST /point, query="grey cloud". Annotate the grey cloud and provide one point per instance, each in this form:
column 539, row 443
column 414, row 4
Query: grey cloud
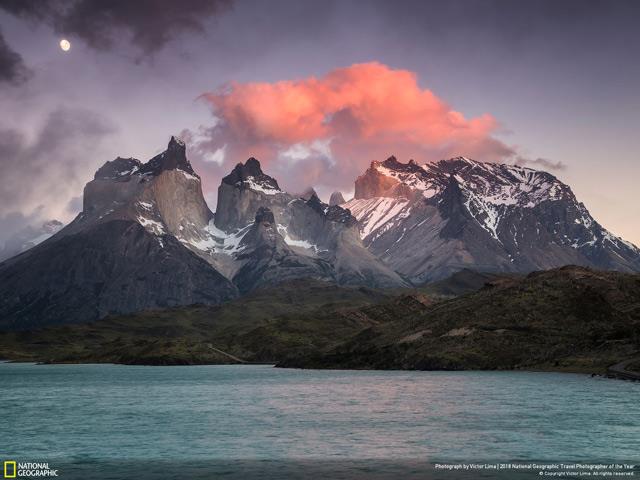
column 542, row 163
column 13, row 222
column 12, row 67
column 75, row 205
column 38, row 177
column 148, row 24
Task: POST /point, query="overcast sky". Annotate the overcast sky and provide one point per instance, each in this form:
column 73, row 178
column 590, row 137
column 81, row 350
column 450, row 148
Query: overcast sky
column 316, row 90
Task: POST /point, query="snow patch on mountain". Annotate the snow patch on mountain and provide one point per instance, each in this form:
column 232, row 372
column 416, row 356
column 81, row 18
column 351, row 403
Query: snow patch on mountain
column 187, row 175
column 378, row 214
column 282, row 230
column 152, row 226
column 214, row 240
column 261, row 187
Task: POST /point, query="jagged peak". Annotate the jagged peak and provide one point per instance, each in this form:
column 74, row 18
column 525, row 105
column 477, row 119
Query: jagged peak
column 175, row 142
column 392, row 163
column 333, row 213
column 307, row 194
column 336, row 199
column 118, row 168
column 173, row 158
column 250, row 175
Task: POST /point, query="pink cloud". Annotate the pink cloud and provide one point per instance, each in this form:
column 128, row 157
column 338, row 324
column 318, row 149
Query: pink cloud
column 363, row 112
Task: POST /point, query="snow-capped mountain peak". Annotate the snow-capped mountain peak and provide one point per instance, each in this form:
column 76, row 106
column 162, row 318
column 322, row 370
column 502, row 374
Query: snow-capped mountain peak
column 522, row 219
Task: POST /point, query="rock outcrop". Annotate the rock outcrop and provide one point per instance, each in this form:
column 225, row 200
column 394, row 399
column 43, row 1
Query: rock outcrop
column 336, row 199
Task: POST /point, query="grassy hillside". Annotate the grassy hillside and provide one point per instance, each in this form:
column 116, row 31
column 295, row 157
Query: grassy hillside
column 295, row 316
column 570, row 318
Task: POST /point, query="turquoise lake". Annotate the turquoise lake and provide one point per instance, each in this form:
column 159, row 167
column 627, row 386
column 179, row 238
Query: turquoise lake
column 75, row 415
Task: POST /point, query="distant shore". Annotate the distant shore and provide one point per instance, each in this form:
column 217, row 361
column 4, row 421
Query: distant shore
column 618, row 371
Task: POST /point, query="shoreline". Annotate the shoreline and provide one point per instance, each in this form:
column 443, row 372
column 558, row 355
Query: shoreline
column 610, row 373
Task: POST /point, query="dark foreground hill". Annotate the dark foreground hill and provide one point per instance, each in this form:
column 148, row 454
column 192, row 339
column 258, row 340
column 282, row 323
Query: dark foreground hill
column 571, row 318
column 291, row 318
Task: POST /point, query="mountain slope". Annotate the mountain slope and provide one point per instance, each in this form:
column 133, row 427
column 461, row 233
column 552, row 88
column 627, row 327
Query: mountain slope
column 429, row 221
column 572, row 317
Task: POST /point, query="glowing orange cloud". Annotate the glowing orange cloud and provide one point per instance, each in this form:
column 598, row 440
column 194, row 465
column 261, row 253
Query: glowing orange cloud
column 363, row 112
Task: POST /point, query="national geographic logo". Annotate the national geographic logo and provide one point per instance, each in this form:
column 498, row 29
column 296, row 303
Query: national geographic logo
column 10, row 469
column 13, row 469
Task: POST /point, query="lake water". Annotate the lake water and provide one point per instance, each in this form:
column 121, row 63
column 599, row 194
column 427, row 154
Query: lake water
column 158, row 421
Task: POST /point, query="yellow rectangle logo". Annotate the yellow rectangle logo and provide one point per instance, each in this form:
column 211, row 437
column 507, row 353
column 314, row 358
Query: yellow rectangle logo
column 10, row 469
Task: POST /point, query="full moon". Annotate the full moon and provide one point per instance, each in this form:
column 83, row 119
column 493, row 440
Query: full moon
column 65, row 44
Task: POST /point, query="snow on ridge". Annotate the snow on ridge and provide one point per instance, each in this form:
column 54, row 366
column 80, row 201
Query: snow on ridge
column 151, row 226
column 375, row 213
column 266, row 189
column 498, row 184
column 217, row 240
column 282, row 230
column 414, row 180
column 128, row 172
column 188, row 175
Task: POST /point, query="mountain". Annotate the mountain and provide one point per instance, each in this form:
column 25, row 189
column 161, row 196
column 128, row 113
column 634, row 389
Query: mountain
column 298, row 235
column 29, row 237
column 571, row 318
column 122, row 253
column 428, row 221
column 146, row 239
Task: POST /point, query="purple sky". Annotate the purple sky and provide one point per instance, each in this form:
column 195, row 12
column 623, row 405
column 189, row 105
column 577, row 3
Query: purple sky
column 558, row 78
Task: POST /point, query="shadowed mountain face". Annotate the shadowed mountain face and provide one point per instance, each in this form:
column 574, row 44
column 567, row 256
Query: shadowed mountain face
column 429, row 221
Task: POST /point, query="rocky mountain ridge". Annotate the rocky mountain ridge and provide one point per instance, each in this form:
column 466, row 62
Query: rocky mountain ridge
column 428, row 221
column 147, row 239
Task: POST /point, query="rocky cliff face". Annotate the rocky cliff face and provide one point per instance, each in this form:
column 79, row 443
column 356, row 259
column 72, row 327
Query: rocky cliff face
column 429, row 221
column 336, row 199
column 164, row 195
column 124, row 252
column 243, row 192
column 266, row 259
column 147, row 239
column 307, row 233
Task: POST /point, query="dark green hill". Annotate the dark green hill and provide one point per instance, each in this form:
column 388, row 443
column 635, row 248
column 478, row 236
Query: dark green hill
column 294, row 316
column 570, row 318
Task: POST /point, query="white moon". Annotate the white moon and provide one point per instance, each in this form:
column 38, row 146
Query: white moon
column 65, row 44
